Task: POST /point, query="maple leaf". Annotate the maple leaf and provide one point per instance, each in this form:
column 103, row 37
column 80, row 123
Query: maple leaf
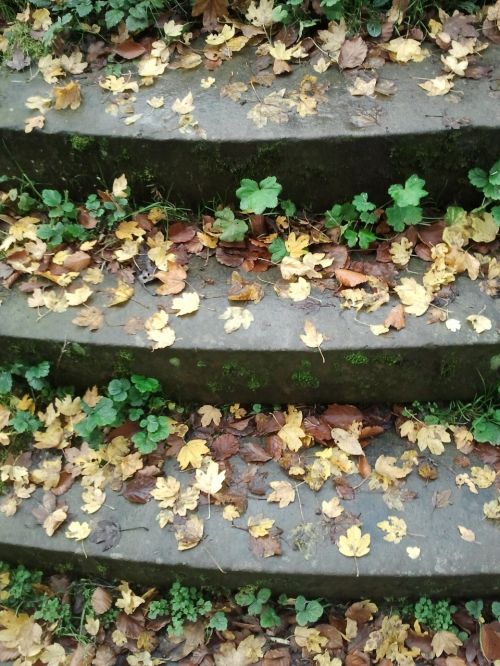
column 414, row 296
column 433, row 437
column 158, row 331
column 211, row 10
column 258, row 526
column 89, row 317
column 346, row 441
column 292, row 433
column 236, row 318
column 404, row 49
column 283, row 493
column 166, row 491
column 209, row 414
column 67, row 96
column 258, row 197
column 261, row 15
column 413, row 552
column 129, row 601
column 440, row 85
column 297, row 245
column 249, row 652
column 120, row 294
column 310, row 639
column 479, row 323
column 186, row 304
column 445, row 641
column 332, row 508
column 185, row 105
column 189, row 534
column 274, row 107
column 394, row 527
column 192, row 454
column 78, row 296
column 78, row 531
column 209, row 480
column 354, row 543
column 311, row 337
column 298, row 291
column 34, row 122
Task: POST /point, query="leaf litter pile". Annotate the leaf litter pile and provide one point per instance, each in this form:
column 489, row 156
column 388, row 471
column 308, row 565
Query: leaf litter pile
column 194, row 463
column 91, row 256
column 280, row 37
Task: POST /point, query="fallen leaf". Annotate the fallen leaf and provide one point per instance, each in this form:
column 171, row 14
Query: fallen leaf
column 466, row 534
column 354, row 543
column 283, row 493
column 311, row 337
column 479, row 323
column 186, row 304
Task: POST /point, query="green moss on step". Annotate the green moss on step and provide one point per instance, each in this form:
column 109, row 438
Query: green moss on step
column 81, row 143
column 304, row 377
column 123, row 362
column 357, row 358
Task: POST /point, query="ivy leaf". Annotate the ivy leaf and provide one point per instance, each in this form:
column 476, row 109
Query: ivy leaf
column 409, row 194
column 233, row 230
column 258, row 197
column 278, row 250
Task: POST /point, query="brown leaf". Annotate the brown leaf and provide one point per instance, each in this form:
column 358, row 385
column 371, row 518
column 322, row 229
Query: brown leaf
column 77, row 261
column 348, row 278
column 277, row 657
column 489, row 638
column 130, row 49
column 441, row 499
column 341, row 416
column 138, row 490
column 396, row 317
column 251, row 452
column 344, row 489
column 131, row 625
column 267, row 546
column 181, row 233
column 225, row 446
column 211, row 10
column 357, row 658
column 101, row 600
column 352, row 53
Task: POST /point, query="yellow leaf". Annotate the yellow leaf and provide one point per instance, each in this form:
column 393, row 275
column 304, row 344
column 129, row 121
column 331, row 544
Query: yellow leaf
column 283, row 493
column 479, row 323
column 484, row 228
column 433, row 437
column 440, row 85
column 483, row 477
column 413, row 552
column 414, row 296
column 216, row 39
column 230, row 512
column 492, row 509
column 466, row 533
column 189, row 534
column 41, row 19
column 405, row 50
column 292, row 433
column 78, row 296
column 445, row 641
column 34, row 122
column 120, row 294
column 129, row 601
column 209, row 414
column 310, row 639
column 258, row 526
column 299, row 291
column 209, row 480
column 186, row 304
column 90, row 317
column 394, row 527
column 54, row 520
column 129, row 228
column 379, row 329
column 192, row 453
column 236, row 317
column 120, row 190
column 297, row 245
column 354, row 543
column 166, row 491
column 184, row 105
column 156, row 102
column 78, row 531
column 401, row 251
column 207, row 83
column 332, row 508
column 67, row 96
column 311, row 337
column 346, row 441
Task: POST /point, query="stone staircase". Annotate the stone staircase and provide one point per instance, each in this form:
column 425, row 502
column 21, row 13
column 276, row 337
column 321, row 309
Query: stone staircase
column 325, row 159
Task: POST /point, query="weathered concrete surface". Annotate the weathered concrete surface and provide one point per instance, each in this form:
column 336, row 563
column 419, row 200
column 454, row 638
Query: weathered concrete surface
column 268, row 362
column 447, row 564
column 318, row 159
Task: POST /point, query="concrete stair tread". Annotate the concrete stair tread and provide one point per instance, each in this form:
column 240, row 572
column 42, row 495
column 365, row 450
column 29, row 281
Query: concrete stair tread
column 447, row 564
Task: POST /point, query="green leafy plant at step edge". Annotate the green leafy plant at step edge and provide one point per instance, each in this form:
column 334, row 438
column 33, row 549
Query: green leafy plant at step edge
column 482, row 415
column 34, row 375
column 256, row 602
column 308, row 611
column 183, row 604
column 127, row 399
column 258, row 197
column 356, row 219
column 488, row 183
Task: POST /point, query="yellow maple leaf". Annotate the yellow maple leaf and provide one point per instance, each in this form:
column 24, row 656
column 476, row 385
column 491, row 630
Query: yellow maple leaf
column 310, row 639
column 440, row 85
column 433, row 437
column 331, row 508
column 129, row 601
column 466, row 534
column 209, row 480
column 78, row 531
column 414, row 296
column 68, row 96
column 166, row 491
column 189, row 534
column 121, row 293
column 404, row 49
column 311, row 336
column 209, row 414
column 479, row 323
column 354, row 543
column 192, row 453
column 78, row 296
column 258, row 526
column 394, row 527
column 185, row 105
column 283, row 493
column 296, row 245
column 128, row 229
column 298, row 291
column 346, row 441
column 186, row 304
column 230, row 512
column 292, row 433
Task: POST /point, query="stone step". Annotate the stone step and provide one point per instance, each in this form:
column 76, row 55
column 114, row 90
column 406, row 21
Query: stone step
column 310, row 562
column 268, row 362
column 353, row 144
